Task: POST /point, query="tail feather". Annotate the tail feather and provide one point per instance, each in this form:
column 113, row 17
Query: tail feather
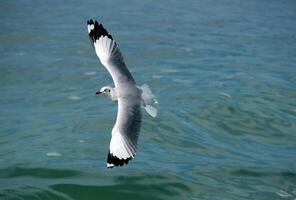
column 152, row 111
column 149, row 100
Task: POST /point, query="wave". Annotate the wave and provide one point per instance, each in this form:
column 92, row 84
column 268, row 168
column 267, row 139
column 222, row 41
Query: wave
column 44, row 183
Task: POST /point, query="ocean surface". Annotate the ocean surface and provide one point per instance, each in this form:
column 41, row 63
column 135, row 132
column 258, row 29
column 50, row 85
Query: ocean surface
column 224, row 74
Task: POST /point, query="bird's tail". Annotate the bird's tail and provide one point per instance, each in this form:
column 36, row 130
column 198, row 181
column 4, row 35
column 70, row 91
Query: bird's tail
column 149, row 100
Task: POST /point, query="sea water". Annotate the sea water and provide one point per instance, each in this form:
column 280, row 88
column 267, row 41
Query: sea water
column 224, row 74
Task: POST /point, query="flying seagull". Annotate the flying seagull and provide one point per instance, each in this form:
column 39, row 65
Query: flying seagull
column 130, row 97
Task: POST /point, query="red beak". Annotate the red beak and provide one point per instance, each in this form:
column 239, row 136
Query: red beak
column 98, row 92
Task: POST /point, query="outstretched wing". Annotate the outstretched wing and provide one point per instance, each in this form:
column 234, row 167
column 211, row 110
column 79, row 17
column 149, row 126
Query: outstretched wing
column 126, row 130
column 108, row 53
column 123, row 145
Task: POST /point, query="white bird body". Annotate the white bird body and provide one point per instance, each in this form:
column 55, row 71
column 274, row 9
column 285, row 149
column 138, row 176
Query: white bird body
column 130, row 97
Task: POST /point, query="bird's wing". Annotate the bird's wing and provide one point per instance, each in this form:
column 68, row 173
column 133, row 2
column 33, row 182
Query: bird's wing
column 126, row 130
column 108, row 53
column 125, row 133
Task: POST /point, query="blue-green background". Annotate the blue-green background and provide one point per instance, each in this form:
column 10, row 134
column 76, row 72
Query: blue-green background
column 223, row 71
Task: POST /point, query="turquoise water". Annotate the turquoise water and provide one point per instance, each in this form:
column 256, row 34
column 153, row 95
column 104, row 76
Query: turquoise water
column 223, row 71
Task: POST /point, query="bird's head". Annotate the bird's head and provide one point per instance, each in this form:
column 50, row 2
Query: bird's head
column 107, row 90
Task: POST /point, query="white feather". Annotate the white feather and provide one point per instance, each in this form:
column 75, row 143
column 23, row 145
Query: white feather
column 88, row 28
column 126, row 130
column 121, row 147
column 152, row 111
column 103, row 47
column 110, row 165
column 148, row 100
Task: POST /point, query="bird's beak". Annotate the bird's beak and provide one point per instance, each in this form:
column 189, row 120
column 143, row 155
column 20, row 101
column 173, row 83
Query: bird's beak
column 98, row 92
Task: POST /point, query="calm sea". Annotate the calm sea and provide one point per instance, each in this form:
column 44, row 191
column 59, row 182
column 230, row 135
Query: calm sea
column 225, row 76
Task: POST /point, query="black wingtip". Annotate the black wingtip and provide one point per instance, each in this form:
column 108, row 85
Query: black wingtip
column 97, row 30
column 115, row 161
column 90, row 21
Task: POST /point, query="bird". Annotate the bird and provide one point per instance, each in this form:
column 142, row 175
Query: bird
column 130, row 97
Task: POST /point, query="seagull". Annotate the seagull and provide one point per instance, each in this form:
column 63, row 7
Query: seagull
column 131, row 98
